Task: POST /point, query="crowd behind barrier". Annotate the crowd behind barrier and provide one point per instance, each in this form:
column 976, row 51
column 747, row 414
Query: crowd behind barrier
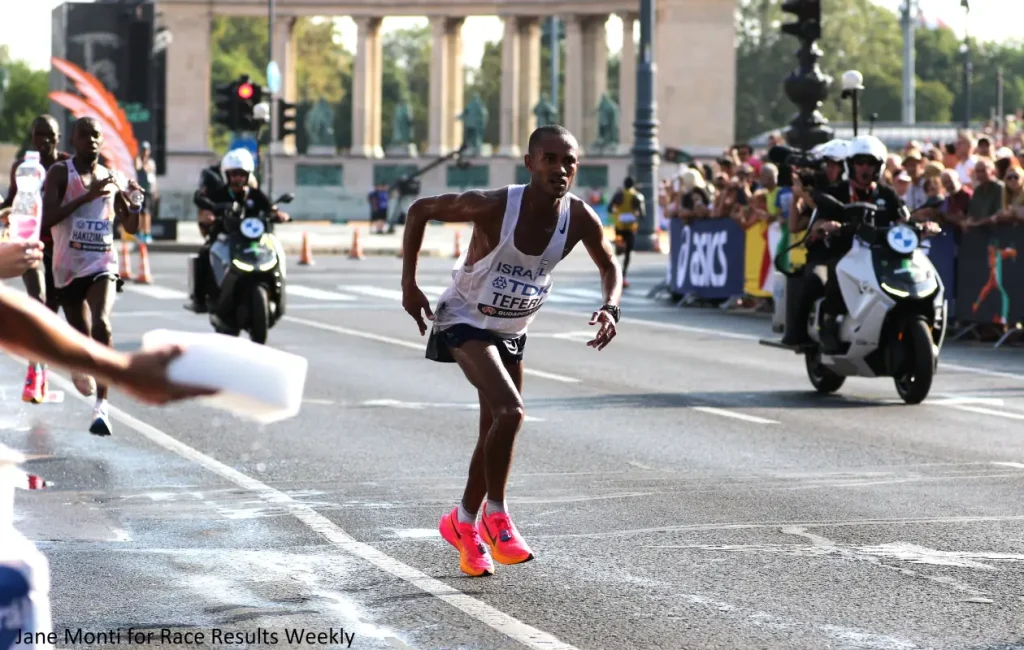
column 729, row 218
column 717, row 261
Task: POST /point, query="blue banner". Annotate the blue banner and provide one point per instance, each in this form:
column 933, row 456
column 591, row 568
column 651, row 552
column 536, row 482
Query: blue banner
column 707, row 257
column 942, row 251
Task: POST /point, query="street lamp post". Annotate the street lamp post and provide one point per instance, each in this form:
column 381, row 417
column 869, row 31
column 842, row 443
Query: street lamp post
column 806, row 86
column 645, row 129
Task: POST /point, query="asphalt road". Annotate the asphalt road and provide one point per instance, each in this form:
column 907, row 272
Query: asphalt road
column 682, row 489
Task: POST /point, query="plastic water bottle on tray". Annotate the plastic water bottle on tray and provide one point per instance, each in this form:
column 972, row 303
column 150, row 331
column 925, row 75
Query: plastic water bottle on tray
column 26, row 217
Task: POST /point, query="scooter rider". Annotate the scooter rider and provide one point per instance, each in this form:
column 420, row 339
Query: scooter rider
column 238, row 167
column 866, row 157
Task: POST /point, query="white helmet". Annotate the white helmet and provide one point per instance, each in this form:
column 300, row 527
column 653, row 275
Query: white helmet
column 835, row 150
column 867, row 145
column 238, row 159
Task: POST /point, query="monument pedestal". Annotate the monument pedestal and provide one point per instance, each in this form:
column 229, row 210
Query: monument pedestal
column 402, row 151
column 321, row 150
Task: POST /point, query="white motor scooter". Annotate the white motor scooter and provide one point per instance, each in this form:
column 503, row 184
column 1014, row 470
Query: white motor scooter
column 896, row 316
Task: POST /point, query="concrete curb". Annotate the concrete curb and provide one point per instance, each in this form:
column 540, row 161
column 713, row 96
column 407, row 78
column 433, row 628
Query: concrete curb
column 296, row 250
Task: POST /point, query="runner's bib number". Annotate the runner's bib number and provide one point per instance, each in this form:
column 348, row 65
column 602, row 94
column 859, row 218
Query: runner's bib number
column 92, row 235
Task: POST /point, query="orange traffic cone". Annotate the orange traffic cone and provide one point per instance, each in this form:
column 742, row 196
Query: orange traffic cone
column 657, row 240
column 357, row 248
column 458, row 244
column 144, row 276
column 306, row 257
column 126, row 261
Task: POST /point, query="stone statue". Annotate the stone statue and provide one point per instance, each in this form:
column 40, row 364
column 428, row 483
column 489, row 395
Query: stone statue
column 319, row 125
column 607, row 124
column 402, row 136
column 474, row 121
column 545, row 111
column 401, row 124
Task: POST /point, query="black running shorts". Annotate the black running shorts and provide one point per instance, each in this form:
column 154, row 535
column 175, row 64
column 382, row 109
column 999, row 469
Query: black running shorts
column 440, row 342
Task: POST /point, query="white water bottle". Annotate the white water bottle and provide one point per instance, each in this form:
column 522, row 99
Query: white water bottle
column 26, row 216
column 24, row 571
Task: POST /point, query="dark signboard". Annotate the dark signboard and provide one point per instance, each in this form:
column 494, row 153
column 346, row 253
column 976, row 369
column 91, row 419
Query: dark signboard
column 990, row 275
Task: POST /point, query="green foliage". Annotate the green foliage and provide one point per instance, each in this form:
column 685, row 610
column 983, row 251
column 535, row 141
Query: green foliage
column 858, row 34
column 25, row 99
column 406, row 71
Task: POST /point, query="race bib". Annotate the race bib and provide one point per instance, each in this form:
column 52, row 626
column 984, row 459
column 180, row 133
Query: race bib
column 92, row 235
column 515, row 292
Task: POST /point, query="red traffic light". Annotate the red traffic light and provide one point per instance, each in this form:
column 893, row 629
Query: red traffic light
column 245, row 91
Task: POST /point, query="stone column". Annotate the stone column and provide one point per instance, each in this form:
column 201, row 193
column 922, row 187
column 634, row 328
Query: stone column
column 366, row 84
column 627, row 84
column 188, row 79
column 439, row 122
column 595, row 73
column 510, row 89
column 456, row 99
column 574, row 67
column 529, row 76
column 285, row 55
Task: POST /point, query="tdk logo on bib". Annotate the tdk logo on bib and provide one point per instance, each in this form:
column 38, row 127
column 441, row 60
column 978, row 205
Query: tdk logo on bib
column 514, row 293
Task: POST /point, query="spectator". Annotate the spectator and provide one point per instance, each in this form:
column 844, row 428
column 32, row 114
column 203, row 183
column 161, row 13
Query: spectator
column 984, row 148
column 694, row 202
column 987, row 199
column 745, row 153
column 1013, row 197
column 1004, row 160
column 914, row 196
column 966, row 161
column 958, row 198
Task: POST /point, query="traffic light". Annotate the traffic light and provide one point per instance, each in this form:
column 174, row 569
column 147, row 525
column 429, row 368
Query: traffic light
column 247, row 95
column 285, row 119
column 808, row 19
column 226, row 103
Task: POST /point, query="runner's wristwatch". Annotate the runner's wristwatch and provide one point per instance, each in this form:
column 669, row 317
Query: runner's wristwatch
column 613, row 310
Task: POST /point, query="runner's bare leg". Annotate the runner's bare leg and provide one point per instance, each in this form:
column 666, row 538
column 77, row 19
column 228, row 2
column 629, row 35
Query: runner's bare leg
column 501, row 412
column 100, row 299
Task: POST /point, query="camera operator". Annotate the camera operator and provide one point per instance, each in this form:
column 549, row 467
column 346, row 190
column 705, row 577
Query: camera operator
column 866, row 156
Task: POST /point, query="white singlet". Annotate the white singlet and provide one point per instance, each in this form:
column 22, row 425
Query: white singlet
column 83, row 244
column 503, row 291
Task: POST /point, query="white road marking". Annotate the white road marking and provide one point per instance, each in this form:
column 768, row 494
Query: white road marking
column 511, row 627
column 376, row 292
column 394, row 403
column 985, row 411
column 409, row 344
column 314, row 293
column 1008, row 464
column 733, row 414
column 155, row 291
column 321, row 402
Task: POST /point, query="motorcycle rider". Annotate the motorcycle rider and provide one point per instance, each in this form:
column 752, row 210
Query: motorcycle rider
column 238, row 167
column 865, row 158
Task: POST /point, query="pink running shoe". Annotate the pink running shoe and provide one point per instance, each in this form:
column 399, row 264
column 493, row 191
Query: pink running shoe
column 507, row 545
column 474, row 560
column 35, row 390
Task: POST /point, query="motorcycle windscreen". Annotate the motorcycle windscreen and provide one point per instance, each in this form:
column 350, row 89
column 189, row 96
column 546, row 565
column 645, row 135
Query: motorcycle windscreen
column 251, row 255
column 905, row 276
column 220, row 260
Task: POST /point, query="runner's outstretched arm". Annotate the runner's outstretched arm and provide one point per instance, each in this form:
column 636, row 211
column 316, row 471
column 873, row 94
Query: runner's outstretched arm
column 475, row 207
column 29, row 329
column 603, row 254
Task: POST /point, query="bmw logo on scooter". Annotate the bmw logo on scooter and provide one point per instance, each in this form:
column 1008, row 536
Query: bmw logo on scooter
column 902, row 239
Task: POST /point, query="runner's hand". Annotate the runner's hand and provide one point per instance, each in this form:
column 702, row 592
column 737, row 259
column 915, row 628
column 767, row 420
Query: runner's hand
column 414, row 302
column 607, row 331
column 98, row 188
column 16, row 257
column 145, row 377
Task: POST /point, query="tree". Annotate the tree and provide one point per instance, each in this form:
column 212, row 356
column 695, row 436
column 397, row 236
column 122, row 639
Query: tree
column 25, row 99
column 486, row 80
column 406, row 72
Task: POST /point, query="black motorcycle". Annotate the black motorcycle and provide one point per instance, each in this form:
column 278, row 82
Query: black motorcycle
column 246, row 288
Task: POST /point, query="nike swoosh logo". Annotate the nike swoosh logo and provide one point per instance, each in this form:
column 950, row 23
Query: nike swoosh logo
column 564, row 226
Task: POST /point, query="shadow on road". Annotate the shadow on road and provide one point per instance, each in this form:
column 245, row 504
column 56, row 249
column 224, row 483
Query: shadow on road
column 724, row 399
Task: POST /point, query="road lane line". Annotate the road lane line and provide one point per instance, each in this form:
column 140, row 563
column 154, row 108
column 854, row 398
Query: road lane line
column 985, row 411
column 1007, row 464
column 156, row 291
column 314, row 293
column 510, row 626
column 409, row 344
column 733, row 414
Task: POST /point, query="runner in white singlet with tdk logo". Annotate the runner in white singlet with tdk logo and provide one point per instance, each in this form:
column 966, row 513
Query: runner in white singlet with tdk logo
column 520, row 234
column 79, row 204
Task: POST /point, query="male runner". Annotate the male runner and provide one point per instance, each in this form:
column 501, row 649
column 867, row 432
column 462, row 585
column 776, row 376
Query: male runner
column 520, row 234
column 39, row 280
column 626, row 206
column 79, row 205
